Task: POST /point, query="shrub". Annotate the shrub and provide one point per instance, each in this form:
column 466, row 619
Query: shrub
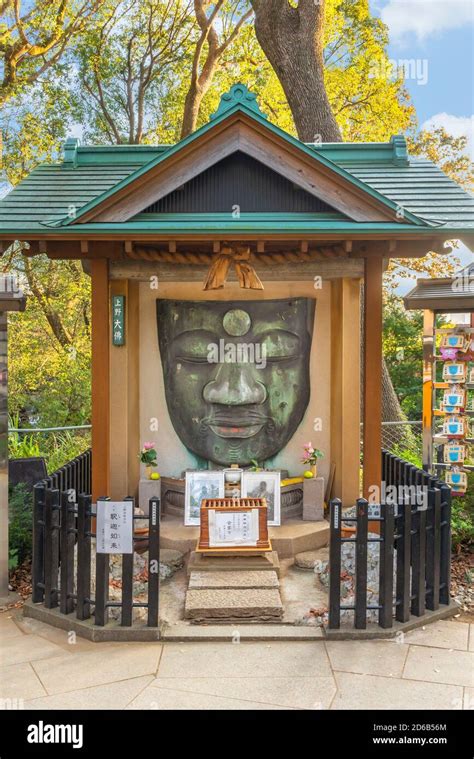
column 462, row 517
column 20, row 507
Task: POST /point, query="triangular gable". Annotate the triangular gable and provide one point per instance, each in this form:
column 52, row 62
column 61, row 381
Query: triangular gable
column 239, row 126
column 240, row 184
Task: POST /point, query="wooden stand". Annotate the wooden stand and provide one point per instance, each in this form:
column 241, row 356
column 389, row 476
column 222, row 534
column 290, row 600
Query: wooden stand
column 234, row 505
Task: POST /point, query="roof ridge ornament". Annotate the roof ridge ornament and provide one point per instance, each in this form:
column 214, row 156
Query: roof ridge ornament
column 400, row 150
column 70, row 150
column 238, row 94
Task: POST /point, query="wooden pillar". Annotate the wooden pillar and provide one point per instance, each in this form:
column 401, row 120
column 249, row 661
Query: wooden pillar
column 124, row 398
column 100, row 378
column 428, row 350
column 372, row 392
column 345, row 388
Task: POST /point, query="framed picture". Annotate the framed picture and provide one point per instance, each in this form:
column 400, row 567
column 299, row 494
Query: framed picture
column 204, row 483
column 264, row 485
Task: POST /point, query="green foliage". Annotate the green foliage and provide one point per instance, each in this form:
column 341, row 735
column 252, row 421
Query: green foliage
column 60, row 447
column 20, row 508
column 49, row 345
column 403, row 352
column 407, row 454
column 462, row 517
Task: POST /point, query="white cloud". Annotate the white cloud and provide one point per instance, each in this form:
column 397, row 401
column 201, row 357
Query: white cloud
column 458, row 126
column 425, row 17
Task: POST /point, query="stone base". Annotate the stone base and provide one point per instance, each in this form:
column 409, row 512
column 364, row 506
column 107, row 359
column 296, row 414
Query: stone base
column 148, row 489
column 373, row 631
column 313, row 499
column 267, row 562
column 292, row 537
column 296, row 536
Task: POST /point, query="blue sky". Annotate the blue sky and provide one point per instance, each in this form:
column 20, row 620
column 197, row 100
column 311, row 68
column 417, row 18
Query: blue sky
column 437, row 36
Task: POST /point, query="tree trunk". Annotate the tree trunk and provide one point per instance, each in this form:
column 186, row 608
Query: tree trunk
column 292, row 40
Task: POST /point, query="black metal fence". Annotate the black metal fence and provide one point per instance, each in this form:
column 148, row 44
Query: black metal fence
column 62, row 557
column 76, row 475
column 414, row 522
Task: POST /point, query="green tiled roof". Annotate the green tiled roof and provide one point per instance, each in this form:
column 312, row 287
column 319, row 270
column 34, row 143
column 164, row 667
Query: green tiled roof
column 52, row 195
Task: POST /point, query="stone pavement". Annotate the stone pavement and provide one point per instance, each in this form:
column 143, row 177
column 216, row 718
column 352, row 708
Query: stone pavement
column 42, row 668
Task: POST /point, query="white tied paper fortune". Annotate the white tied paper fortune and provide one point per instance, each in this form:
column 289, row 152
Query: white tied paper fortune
column 233, row 528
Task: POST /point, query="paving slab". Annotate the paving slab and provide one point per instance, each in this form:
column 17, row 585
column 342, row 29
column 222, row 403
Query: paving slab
column 241, row 603
column 288, row 659
column 291, row 692
column 246, row 579
column 443, row 634
column 381, row 693
column 468, row 699
column 110, row 696
column 471, row 637
column 108, row 664
column 160, row 699
column 8, row 627
column 436, row 665
column 20, row 681
column 374, row 657
column 17, row 649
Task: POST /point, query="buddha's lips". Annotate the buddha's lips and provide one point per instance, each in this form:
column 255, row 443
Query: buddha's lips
column 239, row 431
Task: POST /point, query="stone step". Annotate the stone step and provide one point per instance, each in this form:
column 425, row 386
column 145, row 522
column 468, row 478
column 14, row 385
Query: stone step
column 236, row 579
column 267, row 562
column 239, row 603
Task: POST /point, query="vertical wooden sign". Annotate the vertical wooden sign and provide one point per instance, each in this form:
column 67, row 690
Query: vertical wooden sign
column 118, row 320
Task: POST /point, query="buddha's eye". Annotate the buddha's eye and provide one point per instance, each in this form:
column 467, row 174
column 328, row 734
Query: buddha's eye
column 279, row 345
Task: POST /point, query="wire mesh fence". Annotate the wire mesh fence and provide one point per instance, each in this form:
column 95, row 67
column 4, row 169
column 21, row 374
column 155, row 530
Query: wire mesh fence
column 403, row 439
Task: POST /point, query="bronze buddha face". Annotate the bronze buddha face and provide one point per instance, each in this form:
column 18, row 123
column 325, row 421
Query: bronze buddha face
column 236, row 374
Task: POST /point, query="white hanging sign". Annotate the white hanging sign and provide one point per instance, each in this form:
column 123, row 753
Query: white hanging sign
column 114, row 526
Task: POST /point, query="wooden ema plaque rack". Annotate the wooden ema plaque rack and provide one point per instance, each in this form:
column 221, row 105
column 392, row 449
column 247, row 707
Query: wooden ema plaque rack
column 211, row 507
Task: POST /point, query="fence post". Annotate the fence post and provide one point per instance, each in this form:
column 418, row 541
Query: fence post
column 127, row 578
column 418, row 562
column 433, row 547
column 67, row 539
column 154, row 511
column 83, row 607
column 37, row 567
column 101, row 582
column 387, row 511
column 334, row 621
column 51, row 548
column 402, row 612
column 445, row 559
column 362, row 509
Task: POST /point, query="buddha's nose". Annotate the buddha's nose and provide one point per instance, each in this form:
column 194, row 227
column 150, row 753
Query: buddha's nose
column 234, row 385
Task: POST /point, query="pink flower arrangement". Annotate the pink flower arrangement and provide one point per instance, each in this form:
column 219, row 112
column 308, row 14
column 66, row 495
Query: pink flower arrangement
column 311, row 455
column 148, row 454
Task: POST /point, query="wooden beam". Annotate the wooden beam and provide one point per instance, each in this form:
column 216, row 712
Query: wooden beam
column 345, row 388
column 372, row 392
column 428, row 349
column 124, row 398
column 100, row 378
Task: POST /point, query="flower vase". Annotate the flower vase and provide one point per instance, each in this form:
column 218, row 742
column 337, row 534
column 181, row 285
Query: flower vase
column 148, row 471
column 314, row 469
